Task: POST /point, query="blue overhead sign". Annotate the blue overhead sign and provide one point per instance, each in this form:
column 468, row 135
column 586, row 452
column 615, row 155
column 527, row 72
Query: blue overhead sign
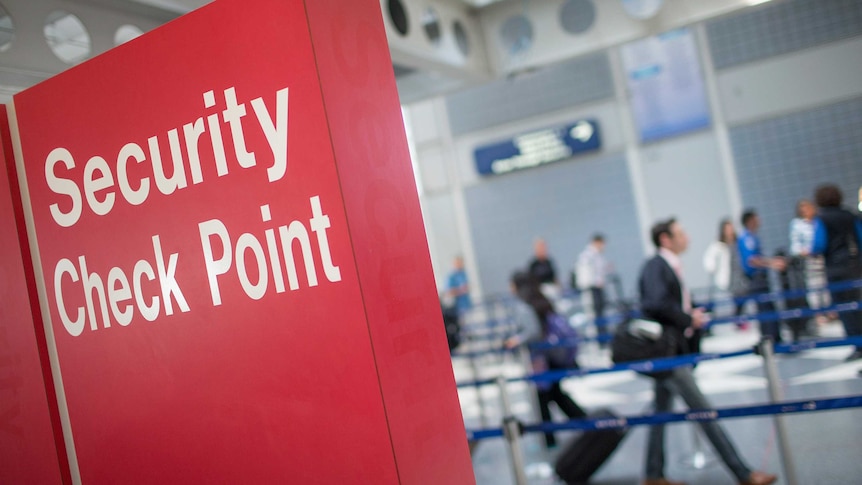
column 538, row 148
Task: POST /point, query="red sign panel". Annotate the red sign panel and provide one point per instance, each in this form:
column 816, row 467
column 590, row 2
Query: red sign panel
column 234, row 264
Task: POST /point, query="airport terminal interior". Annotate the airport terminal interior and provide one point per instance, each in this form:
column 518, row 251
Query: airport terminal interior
column 823, row 445
column 547, row 138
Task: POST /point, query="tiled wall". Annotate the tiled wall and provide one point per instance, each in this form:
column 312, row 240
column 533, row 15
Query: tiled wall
column 782, row 27
column 572, row 83
column 565, row 204
column 783, row 159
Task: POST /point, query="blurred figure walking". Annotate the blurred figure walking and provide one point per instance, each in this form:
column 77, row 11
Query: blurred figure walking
column 457, row 287
column 756, row 266
column 666, row 300
column 592, row 270
column 721, row 262
column 543, row 271
column 838, row 237
column 532, row 314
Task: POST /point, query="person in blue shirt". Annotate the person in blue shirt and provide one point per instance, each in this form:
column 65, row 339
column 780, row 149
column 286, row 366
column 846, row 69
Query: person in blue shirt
column 838, row 237
column 457, row 286
column 756, row 266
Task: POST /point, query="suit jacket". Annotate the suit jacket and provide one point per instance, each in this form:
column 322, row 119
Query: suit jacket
column 661, row 295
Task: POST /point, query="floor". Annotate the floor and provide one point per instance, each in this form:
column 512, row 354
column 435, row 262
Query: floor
column 825, row 446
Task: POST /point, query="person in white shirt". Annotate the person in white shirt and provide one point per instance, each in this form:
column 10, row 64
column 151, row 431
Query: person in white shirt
column 801, row 244
column 592, row 270
column 717, row 258
column 802, row 229
column 721, row 262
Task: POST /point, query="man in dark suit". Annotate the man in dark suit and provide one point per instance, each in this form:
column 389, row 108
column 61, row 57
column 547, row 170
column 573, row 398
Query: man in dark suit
column 665, row 299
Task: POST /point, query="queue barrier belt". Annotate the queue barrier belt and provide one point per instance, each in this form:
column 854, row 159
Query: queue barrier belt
column 760, row 298
column 789, row 407
column 761, row 317
column 668, row 363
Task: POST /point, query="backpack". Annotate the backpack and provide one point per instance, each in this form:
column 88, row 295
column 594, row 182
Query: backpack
column 560, row 332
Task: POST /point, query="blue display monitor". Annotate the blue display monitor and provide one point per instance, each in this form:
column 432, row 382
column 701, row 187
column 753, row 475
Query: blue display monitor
column 665, row 83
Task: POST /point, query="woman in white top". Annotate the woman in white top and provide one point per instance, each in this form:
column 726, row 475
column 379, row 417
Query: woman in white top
column 721, row 261
column 716, row 260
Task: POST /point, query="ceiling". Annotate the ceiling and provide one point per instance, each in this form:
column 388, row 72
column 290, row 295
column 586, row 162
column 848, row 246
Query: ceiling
column 183, row 6
column 437, row 46
column 511, row 38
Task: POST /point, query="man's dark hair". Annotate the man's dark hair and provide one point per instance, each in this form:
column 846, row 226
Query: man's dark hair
column 521, row 280
column 748, row 215
column 529, row 292
column 828, row 195
column 598, row 237
column 661, row 227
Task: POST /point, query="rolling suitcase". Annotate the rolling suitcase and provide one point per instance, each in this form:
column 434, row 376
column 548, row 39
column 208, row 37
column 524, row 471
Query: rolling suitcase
column 587, row 451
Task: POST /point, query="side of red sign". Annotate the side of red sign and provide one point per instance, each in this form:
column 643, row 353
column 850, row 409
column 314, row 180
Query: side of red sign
column 389, row 243
column 31, row 441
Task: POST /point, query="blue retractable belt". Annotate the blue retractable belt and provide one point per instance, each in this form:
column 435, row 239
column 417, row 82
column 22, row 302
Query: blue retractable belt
column 810, row 405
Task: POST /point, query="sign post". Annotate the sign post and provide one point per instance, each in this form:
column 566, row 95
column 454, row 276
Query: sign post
column 232, row 257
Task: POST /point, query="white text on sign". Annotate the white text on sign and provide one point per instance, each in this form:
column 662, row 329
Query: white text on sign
column 99, row 180
column 118, row 296
column 287, row 235
column 152, row 287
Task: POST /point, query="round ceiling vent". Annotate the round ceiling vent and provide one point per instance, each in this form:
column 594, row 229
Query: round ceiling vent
column 577, row 16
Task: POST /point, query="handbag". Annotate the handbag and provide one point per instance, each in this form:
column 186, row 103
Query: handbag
column 638, row 339
column 563, row 338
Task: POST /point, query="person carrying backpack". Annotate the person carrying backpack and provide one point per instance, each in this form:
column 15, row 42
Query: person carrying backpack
column 538, row 323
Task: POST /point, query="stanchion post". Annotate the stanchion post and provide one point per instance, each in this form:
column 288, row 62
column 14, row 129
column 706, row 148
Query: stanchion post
column 504, row 318
column 512, row 432
column 478, row 388
column 527, row 361
column 776, row 395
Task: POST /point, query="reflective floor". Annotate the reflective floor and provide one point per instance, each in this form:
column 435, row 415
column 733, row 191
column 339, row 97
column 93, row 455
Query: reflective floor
column 825, row 446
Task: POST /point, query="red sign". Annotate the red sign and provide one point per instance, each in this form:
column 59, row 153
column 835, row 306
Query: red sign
column 234, row 262
column 31, row 445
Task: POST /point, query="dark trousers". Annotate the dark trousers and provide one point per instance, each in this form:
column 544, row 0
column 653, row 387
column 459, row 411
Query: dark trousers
column 740, row 305
column 565, row 402
column 794, row 279
column 680, row 381
column 598, row 297
column 852, row 320
column 759, row 284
